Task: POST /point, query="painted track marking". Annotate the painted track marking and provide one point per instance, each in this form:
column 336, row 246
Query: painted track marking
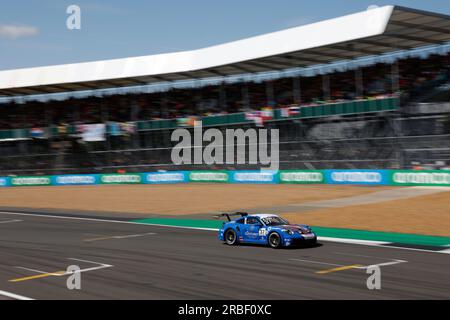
column 362, row 256
column 10, row 221
column 43, row 274
column 343, row 268
column 38, row 276
column 340, row 267
column 392, row 263
column 13, row 295
column 120, row 237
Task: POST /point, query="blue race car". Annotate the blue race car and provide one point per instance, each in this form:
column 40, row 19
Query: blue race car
column 265, row 229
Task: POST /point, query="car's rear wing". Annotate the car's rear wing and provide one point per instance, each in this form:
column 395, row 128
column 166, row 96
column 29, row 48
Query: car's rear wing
column 229, row 215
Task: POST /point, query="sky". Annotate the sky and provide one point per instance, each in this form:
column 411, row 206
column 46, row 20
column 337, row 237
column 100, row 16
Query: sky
column 34, row 32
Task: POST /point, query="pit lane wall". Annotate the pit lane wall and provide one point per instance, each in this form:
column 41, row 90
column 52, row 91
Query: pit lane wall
column 336, row 177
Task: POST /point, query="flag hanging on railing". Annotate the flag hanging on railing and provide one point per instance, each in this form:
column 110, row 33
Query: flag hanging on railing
column 93, row 132
column 37, row 133
column 260, row 117
column 290, row 111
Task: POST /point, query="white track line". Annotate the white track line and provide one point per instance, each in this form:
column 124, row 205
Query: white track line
column 384, row 264
column 391, row 263
column 104, row 238
column 134, row 235
column 32, row 270
column 362, row 256
column 10, row 221
column 328, row 239
column 13, row 296
column 100, row 266
column 353, row 241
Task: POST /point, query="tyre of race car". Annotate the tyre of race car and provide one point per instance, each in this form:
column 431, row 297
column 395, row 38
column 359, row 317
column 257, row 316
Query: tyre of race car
column 231, row 237
column 275, row 240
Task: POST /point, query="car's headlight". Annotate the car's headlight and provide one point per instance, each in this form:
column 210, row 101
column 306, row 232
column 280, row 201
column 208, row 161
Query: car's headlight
column 289, row 232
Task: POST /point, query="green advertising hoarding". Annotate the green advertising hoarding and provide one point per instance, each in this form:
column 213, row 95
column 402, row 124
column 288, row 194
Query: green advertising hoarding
column 121, row 178
column 302, row 177
column 209, row 176
column 393, row 177
column 420, row 178
column 31, row 181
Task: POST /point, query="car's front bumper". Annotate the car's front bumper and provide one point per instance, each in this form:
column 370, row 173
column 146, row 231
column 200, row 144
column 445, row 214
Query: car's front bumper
column 300, row 241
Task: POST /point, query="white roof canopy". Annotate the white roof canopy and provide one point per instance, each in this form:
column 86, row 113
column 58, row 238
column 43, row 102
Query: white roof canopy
column 368, row 33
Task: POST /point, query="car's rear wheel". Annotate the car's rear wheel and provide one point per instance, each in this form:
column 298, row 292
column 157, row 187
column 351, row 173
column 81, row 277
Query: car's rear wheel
column 230, row 237
column 275, row 240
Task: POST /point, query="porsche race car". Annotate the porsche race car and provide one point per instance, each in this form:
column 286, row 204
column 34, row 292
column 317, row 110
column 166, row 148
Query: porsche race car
column 265, row 229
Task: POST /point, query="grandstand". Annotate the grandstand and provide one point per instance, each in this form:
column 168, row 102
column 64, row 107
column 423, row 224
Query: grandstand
column 367, row 90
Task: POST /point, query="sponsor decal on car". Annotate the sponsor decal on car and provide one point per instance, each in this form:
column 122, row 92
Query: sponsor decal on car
column 251, row 234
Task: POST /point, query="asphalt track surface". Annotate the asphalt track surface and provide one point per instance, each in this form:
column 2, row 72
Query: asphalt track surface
column 131, row 261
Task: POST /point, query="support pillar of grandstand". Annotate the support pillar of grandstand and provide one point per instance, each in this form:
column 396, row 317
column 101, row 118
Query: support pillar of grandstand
column 245, row 97
column 48, row 116
column 163, row 104
column 197, row 106
column 223, row 97
column 134, row 111
column 395, row 77
column 76, row 114
column 270, row 94
column 326, row 87
column 297, row 90
column 398, row 125
column 104, row 112
column 359, row 82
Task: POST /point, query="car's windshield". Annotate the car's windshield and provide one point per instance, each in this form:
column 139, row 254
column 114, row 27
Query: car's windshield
column 274, row 221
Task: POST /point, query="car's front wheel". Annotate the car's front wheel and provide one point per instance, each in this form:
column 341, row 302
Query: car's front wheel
column 275, row 240
column 230, row 237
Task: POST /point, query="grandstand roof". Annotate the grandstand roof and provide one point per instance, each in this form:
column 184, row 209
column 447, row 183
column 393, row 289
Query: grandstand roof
column 372, row 32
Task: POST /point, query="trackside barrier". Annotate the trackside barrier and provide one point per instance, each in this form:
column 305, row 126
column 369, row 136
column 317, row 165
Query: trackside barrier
column 126, row 178
column 166, row 177
column 302, row 177
column 4, row 182
column 254, row 177
column 31, row 181
column 371, row 177
column 355, row 177
column 420, row 178
column 75, row 180
column 209, row 176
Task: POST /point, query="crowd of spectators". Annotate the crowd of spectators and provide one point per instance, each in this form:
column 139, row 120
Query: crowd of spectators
column 375, row 80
